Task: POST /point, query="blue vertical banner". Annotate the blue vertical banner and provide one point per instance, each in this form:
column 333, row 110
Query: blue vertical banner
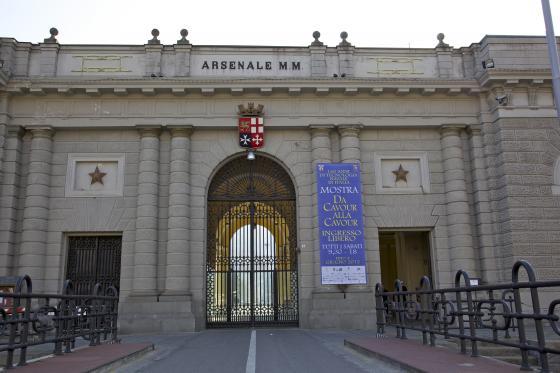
column 341, row 227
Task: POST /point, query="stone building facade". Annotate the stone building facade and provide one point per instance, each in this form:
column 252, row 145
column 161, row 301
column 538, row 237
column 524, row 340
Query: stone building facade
column 113, row 149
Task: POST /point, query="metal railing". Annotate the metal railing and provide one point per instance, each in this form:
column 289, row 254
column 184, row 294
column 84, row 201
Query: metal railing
column 28, row 319
column 464, row 311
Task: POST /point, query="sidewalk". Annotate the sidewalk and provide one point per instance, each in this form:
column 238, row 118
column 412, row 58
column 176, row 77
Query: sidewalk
column 413, row 356
column 100, row 358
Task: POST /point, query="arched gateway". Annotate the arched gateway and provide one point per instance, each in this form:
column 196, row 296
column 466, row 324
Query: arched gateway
column 251, row 261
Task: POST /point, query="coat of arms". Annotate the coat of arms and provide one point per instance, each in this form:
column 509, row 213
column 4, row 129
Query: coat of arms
column 251, row 126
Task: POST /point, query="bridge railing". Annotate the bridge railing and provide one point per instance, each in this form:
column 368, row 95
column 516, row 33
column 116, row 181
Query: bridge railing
column 476, row 313
column 28, row 319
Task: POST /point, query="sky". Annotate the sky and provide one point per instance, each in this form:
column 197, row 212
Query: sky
column 369, row 23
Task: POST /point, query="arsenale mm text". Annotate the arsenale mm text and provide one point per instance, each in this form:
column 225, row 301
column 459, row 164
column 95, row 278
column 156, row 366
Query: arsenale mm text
column 250, row 65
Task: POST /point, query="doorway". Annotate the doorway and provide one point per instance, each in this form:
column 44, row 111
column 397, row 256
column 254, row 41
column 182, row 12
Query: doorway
column 404, row 255
column 92, row 260
column 251, row 262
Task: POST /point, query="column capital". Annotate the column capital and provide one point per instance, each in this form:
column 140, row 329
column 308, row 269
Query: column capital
column 180, row 130
column 349, row 129
column 474, row 129
column 149, row 130
column 329, row 126
column 452, row 128
column 320, row 129
column 40, row 131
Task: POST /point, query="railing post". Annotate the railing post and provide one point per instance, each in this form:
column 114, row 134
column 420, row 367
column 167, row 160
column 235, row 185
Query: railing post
column 59, row 319
column 114, row 314
column 492, row 310
column 536, row 312
column 92, row 315
column 26, row 313
column 13, row 328
column 507, row 297
column 380, row 309
column 401, row 299
column 69, row 309
column 460, row 315
column 111, row 305
column 470, row 312
column 58, row 331
column 426, row 310
column 445, row 326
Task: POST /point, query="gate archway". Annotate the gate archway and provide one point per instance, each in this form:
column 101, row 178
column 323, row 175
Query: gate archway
column 251, row 260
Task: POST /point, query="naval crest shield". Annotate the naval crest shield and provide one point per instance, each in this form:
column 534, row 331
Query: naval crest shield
column 251, row 127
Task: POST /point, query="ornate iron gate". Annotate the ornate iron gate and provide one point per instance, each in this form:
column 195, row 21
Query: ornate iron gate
column 94, row 259
column 251, row 264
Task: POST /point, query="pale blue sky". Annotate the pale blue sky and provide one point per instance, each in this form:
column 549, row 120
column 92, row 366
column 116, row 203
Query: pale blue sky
column 369, row 23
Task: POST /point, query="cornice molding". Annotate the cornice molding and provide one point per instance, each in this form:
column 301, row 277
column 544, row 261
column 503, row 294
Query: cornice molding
column 240, row 87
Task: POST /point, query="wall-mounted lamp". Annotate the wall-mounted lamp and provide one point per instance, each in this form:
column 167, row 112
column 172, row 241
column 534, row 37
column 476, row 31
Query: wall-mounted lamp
column 488, row 64
column 250, row 155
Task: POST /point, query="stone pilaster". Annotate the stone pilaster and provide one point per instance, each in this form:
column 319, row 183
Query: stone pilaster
column 32, row 251
column 9, row 183
column 177, row 280
column 349, row 143
column 338, row 306
column 3, row 124
column 145, row 250
column 320, row 153
column 483, row 211
column 350, row 151
column 457, row 206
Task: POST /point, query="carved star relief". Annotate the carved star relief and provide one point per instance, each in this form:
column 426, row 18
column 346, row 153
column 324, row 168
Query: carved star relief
column 97, row 176
column 400, row 174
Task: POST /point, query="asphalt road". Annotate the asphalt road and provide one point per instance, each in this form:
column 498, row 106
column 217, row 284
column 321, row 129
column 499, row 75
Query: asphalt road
column 254, row 351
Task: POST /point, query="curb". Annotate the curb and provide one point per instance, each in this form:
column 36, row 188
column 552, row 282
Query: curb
column 118, row 362
column 370, row 353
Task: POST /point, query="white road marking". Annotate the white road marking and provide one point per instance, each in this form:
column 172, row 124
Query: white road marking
column 252, row 356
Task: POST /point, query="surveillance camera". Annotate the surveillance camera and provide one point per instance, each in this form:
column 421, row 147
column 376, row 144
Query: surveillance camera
column 502, row 99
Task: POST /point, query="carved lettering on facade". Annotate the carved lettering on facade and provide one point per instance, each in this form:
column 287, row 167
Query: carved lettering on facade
column 101, row 64
column 250, row 65
column 396, row 66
